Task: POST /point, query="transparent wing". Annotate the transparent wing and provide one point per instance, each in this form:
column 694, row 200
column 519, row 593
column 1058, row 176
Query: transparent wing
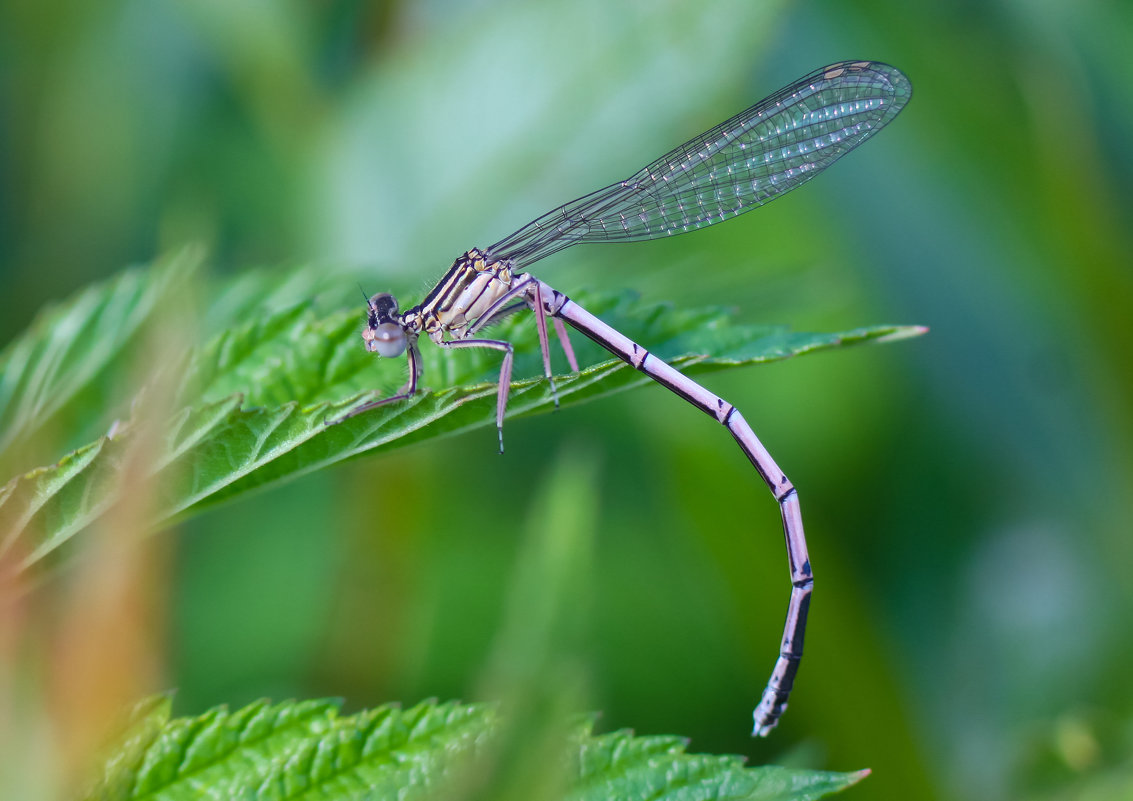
column 779, row 143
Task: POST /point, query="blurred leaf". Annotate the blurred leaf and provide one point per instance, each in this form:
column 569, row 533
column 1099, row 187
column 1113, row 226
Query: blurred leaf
column 536, row 667
column 63, row 363
column 302, row 748
column 253, row 402
column 146, row 724
column 1083, row 755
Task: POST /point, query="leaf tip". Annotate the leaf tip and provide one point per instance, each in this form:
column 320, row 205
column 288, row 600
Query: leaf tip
column 858, row 775
column 901, row 332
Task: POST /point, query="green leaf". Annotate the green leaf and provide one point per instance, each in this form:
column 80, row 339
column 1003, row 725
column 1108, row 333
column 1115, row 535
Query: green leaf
column 622, row 766
column 144, row 727
column 303, row 749
column 249, row 407
column 63, row 366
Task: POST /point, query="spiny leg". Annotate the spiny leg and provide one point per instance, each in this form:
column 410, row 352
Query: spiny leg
column 527, row 288
column 505, row 373
column 492, row 317
column 564, row 341
column 544, row 345
column 413, row 356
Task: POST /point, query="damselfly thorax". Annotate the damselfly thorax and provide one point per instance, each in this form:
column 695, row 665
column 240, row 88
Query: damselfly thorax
column 471, row 288
column 467, row 298
column 760, row 154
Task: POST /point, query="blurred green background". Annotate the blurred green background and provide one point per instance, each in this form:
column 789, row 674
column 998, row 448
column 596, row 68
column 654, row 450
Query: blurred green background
column 966, row 495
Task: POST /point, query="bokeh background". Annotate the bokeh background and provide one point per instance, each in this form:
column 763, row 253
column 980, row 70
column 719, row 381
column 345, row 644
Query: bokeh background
column 967, row 495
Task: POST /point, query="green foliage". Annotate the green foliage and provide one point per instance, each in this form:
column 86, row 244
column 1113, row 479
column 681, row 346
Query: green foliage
column 967, row 499
column 250, row 407
column 304, row 749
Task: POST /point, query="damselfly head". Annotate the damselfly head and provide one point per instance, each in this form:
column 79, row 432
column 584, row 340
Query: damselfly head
column 384, row 333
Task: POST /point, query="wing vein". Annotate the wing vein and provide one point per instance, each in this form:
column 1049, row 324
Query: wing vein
column 750, row 159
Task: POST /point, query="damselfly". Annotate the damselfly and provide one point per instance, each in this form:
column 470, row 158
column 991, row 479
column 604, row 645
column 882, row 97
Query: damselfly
column 776, row 145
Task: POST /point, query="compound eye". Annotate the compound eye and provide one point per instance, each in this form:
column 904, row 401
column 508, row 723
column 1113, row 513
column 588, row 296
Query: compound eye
column 387, row 339
column 384, row 304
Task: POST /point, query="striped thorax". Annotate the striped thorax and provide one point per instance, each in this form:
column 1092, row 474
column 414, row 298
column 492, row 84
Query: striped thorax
column 471, row 288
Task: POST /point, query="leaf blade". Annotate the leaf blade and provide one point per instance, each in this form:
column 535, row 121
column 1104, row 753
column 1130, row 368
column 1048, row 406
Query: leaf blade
column 76, row 347
column 253, row 401
column 304, row 749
